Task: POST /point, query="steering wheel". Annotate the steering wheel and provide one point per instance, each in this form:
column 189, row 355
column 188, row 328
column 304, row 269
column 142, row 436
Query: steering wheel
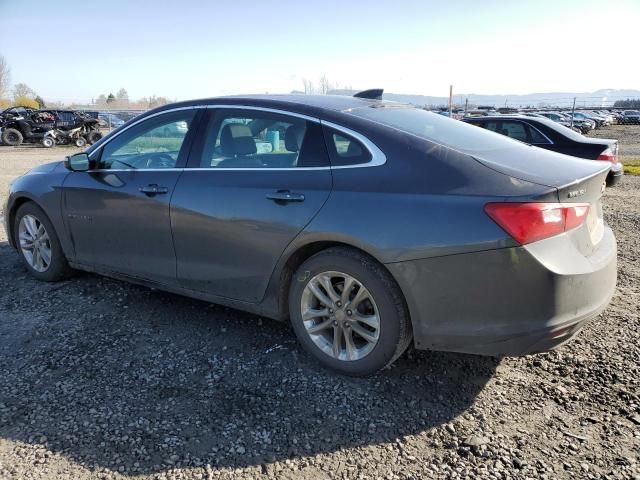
column 155, row 160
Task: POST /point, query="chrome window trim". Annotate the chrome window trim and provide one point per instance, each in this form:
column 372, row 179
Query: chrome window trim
column 378, row 158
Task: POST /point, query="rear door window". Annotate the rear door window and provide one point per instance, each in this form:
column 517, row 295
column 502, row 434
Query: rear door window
column 245, row 138
column 515, row 130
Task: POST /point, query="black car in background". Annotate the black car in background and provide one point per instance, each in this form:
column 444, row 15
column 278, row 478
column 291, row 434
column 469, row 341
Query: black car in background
column 547, row 134
column 630, row 116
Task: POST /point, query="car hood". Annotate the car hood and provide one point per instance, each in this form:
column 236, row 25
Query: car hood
column 540, row 166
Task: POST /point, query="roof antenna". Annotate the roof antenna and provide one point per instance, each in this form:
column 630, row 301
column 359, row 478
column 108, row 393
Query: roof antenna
column 371, row 94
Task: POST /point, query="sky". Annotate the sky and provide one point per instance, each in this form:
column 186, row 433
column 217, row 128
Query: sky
column 185, row 49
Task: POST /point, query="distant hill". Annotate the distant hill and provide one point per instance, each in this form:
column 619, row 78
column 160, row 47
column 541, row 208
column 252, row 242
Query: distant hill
column 599, row 98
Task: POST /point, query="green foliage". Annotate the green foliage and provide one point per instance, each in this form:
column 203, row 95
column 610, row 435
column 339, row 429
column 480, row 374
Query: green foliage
column 25, row 102
column 40, row 101
column 111, row 98
column 628, row 103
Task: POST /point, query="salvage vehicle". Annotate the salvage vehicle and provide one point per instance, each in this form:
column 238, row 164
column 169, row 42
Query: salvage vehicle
column 547, row 134
column 39, row 126
column 368, row 224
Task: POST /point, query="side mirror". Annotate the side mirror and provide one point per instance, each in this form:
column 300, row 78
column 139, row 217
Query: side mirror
column 78, row 163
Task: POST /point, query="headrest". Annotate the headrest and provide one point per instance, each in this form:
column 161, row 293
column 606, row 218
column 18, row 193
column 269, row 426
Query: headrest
column 237, row 139
column 293, row 137
column 354, row 150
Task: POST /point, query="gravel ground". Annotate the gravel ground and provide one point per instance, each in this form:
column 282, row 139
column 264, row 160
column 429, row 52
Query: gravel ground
column 628, row 136
column 100, row 379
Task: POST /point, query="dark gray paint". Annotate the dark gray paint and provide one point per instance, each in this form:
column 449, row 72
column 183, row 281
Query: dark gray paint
column 421, row 214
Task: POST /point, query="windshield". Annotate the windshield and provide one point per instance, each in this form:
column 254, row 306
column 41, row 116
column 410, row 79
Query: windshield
column 437, row 128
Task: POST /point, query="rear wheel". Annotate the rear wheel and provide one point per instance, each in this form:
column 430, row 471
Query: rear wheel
column 39, row 245
column 12, row 136
column 93, row 137
column 80, row 142
column 48, row 142
column 348, row 312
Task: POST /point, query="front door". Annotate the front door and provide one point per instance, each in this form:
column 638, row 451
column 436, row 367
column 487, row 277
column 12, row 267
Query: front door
column 118, row 213
column 258, row 178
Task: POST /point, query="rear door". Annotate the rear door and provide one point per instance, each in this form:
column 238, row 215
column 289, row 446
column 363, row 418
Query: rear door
column 255, row 179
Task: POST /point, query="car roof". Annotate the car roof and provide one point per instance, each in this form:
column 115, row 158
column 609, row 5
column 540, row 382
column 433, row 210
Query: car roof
column 309, row 104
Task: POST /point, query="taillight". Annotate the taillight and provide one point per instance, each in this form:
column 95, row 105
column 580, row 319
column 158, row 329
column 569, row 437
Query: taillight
column 609, row 155
column 530, row 222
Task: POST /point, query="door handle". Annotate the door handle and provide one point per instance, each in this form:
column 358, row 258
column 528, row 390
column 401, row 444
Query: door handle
column 285, row 196
column 153, row 189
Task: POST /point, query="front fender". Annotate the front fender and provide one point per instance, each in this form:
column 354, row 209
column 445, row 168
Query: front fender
column 43, row 186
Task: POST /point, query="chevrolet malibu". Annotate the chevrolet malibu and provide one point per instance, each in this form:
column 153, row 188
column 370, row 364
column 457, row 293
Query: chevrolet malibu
column 368, row 225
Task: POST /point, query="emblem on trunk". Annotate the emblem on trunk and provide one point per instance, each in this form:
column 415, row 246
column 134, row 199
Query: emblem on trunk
column 577, row 193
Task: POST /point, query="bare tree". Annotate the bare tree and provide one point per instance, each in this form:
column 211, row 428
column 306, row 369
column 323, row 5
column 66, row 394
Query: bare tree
column 324, row 85
column 309, row 88
column 5, row 77
column 22, row 90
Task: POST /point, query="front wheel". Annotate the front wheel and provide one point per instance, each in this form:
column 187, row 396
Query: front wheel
column 48, row 142
column 12, row 136
column 348, row 312
column 39, row 245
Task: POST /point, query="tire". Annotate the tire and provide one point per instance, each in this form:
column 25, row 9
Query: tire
column 12, row 137
column 48, row 142
column 57, row 268
column 93, row 137
column 80, row 142
column 384, row 302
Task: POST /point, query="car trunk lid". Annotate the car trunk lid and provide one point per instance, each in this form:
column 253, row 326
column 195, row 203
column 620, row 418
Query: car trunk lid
column 575, row 180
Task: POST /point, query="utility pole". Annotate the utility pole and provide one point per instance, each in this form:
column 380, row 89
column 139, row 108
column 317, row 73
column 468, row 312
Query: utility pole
column 450, row 100
column 573, row 110
column 466, row 105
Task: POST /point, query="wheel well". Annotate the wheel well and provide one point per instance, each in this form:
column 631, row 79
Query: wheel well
column 12, row 217
column 299, row 257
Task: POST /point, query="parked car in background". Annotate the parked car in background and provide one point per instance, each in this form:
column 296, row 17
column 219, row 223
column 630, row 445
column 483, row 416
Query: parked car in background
column 560, row 119
column 370, row 226
column 545, row 133
column 110, row 120
column 630, row 116
column 592, row 122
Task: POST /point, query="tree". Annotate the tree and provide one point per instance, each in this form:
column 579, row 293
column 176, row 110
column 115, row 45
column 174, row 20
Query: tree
column 309, row 88
column 122, row 96
column 628, row 103
column 25, row 102
column 5, row 77
column 101, row 100
column 22, row 90
column 111, row 98
column 40, row 101
column 324, row 85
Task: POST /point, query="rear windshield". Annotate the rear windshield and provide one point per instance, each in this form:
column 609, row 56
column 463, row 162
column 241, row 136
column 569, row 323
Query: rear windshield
column 437, row 128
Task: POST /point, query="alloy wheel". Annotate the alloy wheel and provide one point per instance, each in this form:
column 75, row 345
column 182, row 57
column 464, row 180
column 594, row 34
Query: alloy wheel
column 340, row 316
column 35, row 243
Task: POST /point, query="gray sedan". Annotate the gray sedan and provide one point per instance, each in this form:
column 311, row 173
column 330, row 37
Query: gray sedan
column 369, row 225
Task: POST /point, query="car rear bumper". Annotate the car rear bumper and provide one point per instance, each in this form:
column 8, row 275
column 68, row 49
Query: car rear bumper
column 510, row 301
column 615, row 174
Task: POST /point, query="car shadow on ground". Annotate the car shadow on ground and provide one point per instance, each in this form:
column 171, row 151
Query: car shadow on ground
column 139, row 381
